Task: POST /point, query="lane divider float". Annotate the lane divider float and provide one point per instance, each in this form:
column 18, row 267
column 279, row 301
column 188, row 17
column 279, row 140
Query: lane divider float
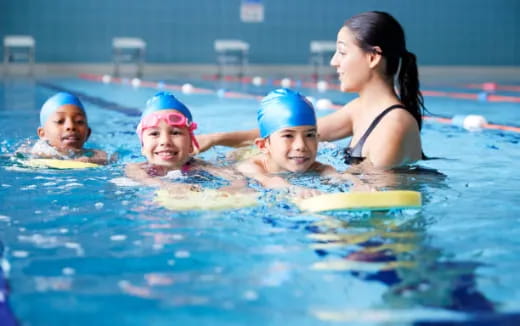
column 470, row 122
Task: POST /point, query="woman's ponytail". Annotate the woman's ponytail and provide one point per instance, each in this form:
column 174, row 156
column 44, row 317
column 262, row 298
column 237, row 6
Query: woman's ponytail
column 409, row 92
column 376, row 28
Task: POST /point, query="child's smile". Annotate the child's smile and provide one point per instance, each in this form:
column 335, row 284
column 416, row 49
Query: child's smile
column 299, row 159
column 167, row 155
column 167, row 145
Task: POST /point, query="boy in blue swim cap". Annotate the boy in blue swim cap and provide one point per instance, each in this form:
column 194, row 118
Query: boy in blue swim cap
column 64, row 130
column 168, row 144
column 288, row 142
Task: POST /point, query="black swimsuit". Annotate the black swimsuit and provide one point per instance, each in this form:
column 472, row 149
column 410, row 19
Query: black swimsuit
column 354, row 155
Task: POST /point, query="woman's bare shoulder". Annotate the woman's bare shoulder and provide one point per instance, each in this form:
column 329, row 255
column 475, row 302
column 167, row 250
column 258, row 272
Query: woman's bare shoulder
column 395, row 141
column 399, row 120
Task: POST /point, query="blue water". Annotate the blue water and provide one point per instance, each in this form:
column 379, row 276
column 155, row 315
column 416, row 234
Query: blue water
column 80, row 250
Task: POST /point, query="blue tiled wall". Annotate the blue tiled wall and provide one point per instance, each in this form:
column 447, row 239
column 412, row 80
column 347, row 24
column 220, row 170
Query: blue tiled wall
column 440, row 32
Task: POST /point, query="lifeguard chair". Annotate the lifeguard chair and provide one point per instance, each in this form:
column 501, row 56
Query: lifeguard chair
column 321, row 53
column 231, row 52
column 128, row 50
column 19, row 48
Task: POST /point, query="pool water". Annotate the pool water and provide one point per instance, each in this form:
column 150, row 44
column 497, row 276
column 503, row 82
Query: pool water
column 78, row 248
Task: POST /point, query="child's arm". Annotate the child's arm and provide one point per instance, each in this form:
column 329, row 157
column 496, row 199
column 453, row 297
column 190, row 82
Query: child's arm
column 98, row 157
column 24, row 149
column 141, row 173
column 334, row 176
column 42, row 149
column 237, row 182
column 253, row 168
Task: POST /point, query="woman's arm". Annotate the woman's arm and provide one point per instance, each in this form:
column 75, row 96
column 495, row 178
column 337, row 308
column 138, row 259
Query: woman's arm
column 230, row 139
column 336, row 125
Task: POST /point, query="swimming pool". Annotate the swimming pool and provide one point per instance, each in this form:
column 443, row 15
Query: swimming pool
column 79, row 249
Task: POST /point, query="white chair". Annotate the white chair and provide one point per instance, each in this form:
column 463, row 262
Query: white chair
column 321, row 53
column 233, row 52
column 17, row 48
column 128, row 49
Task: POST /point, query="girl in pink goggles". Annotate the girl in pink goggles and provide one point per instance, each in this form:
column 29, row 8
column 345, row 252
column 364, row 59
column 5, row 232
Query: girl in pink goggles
column 166, row 150
column 152, row 115
column 174, row 119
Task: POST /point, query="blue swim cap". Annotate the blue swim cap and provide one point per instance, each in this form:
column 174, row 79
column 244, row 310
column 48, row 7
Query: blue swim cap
column 166, row 101
column 284, row 108
column 55, row 102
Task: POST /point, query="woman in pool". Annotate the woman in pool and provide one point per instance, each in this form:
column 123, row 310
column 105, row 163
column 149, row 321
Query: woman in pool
column 385, row 119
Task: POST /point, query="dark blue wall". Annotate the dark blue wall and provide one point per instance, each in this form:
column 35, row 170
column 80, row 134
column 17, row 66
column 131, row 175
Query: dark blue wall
column 440, row 32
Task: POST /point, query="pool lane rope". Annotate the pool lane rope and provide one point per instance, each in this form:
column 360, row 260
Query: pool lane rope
column 481, row 123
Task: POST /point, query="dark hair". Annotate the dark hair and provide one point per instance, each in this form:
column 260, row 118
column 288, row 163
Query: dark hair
column 376, row 28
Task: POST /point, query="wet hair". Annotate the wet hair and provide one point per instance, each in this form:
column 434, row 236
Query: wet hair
column 376, row 28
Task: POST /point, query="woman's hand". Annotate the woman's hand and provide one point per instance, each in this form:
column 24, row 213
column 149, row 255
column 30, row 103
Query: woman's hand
column 229, row 139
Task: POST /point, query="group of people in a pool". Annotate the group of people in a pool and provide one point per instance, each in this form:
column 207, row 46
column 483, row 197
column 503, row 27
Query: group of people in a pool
column 384, row 120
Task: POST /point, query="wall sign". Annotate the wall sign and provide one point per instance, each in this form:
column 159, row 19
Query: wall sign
column 251, row 11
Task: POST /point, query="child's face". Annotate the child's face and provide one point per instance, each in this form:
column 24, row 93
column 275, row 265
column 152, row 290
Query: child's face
column 66, row 129
column 167, row 145
column 292, row 149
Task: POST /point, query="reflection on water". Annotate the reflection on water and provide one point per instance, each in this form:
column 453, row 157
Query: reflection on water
column 80, row 245
column 392, row 248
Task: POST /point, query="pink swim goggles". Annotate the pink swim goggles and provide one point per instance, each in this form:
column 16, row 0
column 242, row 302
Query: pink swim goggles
column 173, row 119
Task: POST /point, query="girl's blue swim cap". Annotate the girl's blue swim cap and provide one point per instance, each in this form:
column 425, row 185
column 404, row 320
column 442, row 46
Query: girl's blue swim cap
column 166, row 101
column 55, row 102
column 284, row 108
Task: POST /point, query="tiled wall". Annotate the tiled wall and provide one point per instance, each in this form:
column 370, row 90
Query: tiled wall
column 440, row 32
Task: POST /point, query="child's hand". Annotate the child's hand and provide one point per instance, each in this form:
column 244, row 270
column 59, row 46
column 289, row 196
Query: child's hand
column 98, row 157
column 362, row 187
column 357, row 183
column 180, row 189
column 303, row 193
column 83, row 159
column 237, row 189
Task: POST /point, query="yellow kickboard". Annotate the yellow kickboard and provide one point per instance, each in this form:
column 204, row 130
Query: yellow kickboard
column 59, row 164
column 370, row 200
column 209, row 199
